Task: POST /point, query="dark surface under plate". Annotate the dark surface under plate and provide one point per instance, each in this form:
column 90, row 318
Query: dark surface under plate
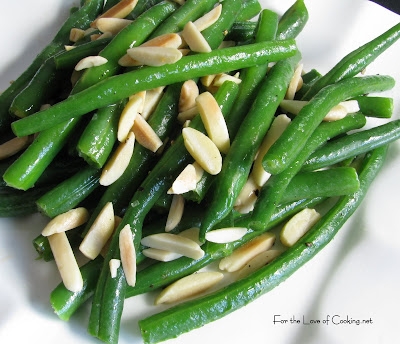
column 393, row 5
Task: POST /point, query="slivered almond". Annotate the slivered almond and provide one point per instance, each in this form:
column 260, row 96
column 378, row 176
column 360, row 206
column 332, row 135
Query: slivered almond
column 199, row 171
column 153, row 96
column 187, row 123
column 184, row 52
column 192, row 234
column 113, row 25
column 185, row 182
column 298, row 225
column 227, row 44
column 120, row 10
column 292, row 106
column 154, row 56
column 221, row 78
column 245, row 253
column 99, row 233
column 174, row 243
column 116, row 166
column 189, row 286
column 180, row 2
column 142, row 95
column 127, row 61
column 128, row 255
column 208, row 19
column 13, row 146
column 175, row 212
column 160, row 255
column 336, row 113
column 248, row 205
column 208, row 79
column 66, row 262
column 128, row 116
column 69, row 47
column 66, row 221
column 226, row 235
column 188, row 114
column 105, row 35
column 189, row 93
column 114, row 266
column 145, row 134
column 117, row 221
column 258, row 262
column 169, row 40
column 195, row 39
column 45, row 107
column 294, row 83
column 213, row 121
column 203, row 150
column 248, row 189
column 351, row 106
column 89, row 31
column 278, row 126
column 90, row 61
column 95, row 36
column 76, row 35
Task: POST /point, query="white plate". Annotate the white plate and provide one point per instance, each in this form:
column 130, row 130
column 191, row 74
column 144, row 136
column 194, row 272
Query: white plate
column 355, row 276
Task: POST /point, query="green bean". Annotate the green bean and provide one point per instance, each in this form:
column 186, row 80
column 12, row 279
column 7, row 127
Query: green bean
column 352, row 145
column 142, row 6
column 308, row 79
column 291, row 142
column 381, row 107
column 274, row 189
column 198, row 312
column 293, row 21
column 249, row 9
column 356, row 61
column 237, row 164
column 242, row 31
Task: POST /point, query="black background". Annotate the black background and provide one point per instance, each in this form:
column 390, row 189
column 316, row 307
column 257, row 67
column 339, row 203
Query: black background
column 393, row 5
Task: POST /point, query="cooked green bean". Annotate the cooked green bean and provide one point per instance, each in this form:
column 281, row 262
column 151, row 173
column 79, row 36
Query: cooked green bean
column 381, row 107
column 249, row 9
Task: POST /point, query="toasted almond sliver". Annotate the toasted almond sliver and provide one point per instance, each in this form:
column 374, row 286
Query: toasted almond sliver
column 298, row 225
column 128, row 116
column 90, row 61
column 226, row 235
column 351, row 106
column 142, row 95
column 199, row 171
column 192, row 234
column 208, row 19
column 113, row 25
column 153, row 96
column 247, row 190
column 95, row 36
column 258, row 262
column 66, row 262
column 116, row 166
column 105, row 35
column 294, row 83
column 114, row 266
column 160, row 255
column 128, row 255
column 66, row 221
column 208, row 79
column 336, row 113
column 213, row 121
column 184, row 52
column 45, row 107
column 99, row 232
column 76, row 35
column 245, row 253
column 175, row 212
column 227, row 44
column 248, row 205
column 127, row 61
column 187, row 123
column 145, row 134
column 120, row 10
column 292, row 106
column 154, row 56
column 69, row 47
column 13, row 146
column 278, row 126
column 104, row 250
column 188, row 115
column 169, row 40
column 189, row 93
column 221, row 78
column 174, row 243
column 195, row 39
column 185, row 182
column 189, row 286
column 203, row 150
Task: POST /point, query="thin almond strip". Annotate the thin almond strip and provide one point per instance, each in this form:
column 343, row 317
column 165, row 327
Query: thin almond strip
column 168, row 40
column 66, row 262
column 336, row 113
column 351, row 106
column 13, row 146
column 45, row 107
column 295, row 82
column 227, row 44
column 195, row 39
column 278, row 126
column 208, row 79
column 174, row 243
column 175, row 212
column 258, row 262
column 128, row 116
column 141, row 94
column 208, row 19
column 113, row 25
column 153, row 96
column 189, row 286
column 69, row 47
column 185, row 182
column 241, row 256
column 89, row 31
column 213, row 121
column 248, row 205
column 90, row 61
column 160, row 255
column 188, row 115
column 114, row 266
column 222, row 77
column 187, row 123
column 76, row 35
column 116, row 166
column 247, row 190
column 120, row 10
column 180, row 2
column 199, row 171
column 117, row 221
column 189, row 93
column 226, row 235
column 192, row 234
column 128, row 255
column 99, row 233
column 145, row 134
column 154, row 56
column 66, row 221
column 298, row 225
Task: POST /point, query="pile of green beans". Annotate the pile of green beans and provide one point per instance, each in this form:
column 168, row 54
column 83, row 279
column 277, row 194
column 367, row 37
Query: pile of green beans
column 310, row 163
